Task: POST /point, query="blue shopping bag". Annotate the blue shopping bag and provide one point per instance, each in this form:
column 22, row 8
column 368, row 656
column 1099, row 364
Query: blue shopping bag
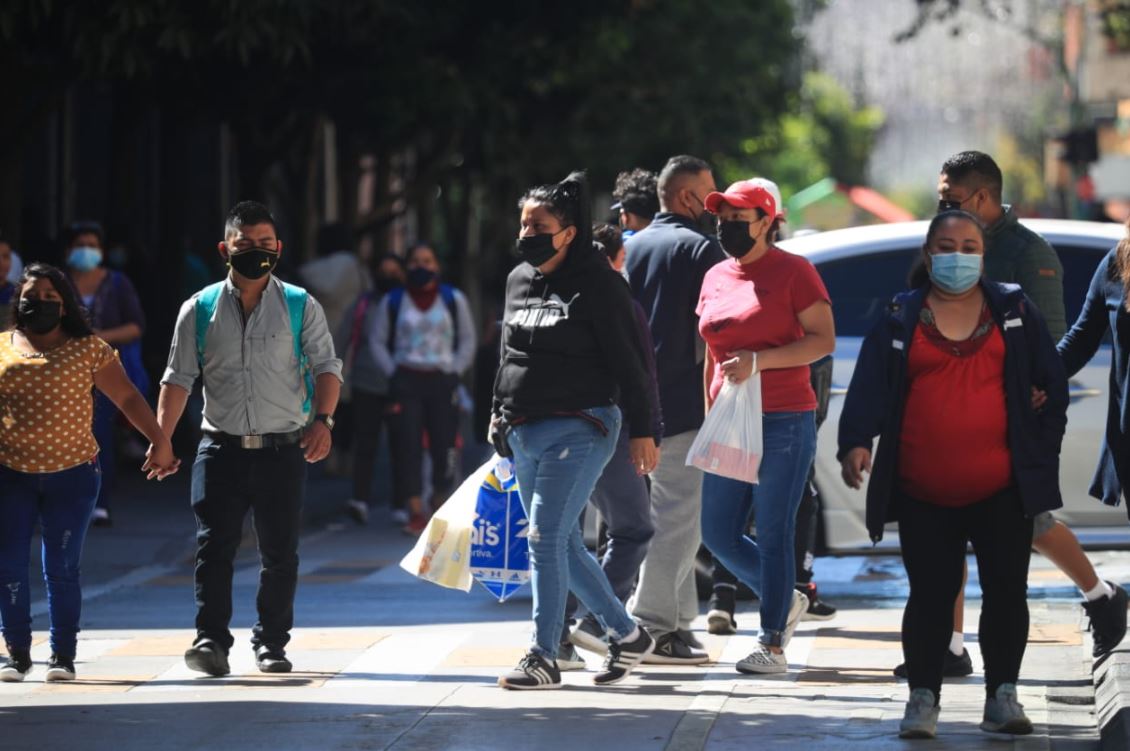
column 500, row 556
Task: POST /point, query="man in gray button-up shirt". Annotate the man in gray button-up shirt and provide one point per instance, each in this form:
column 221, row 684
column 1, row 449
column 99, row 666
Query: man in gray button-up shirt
column 258, row 435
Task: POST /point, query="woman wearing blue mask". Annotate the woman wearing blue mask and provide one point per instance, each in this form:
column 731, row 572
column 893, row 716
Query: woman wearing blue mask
column 946, row 381
column 423, row 340
column 117, row 318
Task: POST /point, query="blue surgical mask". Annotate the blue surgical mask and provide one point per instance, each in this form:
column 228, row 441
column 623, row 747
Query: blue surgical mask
column 84, row 258
column 955, row 272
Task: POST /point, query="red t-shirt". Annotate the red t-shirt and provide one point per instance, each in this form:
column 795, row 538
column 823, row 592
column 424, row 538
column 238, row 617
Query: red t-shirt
column 954, row 444
column 755, row 307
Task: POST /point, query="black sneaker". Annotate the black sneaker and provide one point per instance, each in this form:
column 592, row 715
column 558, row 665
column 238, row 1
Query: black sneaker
column 818, row 610
column 533, row 672
column 16, row 666
column 720, row 612
column 590, row 635
column 623, row 656
column 206, row 656
column 60, row 668
column 1108, row 620
column 671, row 650
column 358, row 511
column 272, row 659
column 955, row 666
column 687, row 637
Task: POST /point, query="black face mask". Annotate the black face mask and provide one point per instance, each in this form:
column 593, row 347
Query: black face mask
column 735, row 239
column 254, row 263
column 420, row 277
column 536, row 249
column 386, row 284
column 38, row 316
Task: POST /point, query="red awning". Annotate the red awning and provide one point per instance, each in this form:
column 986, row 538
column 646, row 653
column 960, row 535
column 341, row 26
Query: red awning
column 876, row 203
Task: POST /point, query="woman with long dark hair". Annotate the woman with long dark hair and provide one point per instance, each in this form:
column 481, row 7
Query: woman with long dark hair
column 570, row 349
column 945, row 380
column 50, row 364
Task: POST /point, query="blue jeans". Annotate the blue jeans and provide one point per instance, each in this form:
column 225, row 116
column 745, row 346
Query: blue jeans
column 62, row 503
column 557, row 462
column 766, row 566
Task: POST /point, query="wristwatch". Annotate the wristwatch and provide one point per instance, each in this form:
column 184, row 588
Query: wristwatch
column 327, row 418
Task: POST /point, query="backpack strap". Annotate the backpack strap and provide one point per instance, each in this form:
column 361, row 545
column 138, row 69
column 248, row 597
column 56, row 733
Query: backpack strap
column 395, row 297
column 205, row 308
column 447, row 292
column 296, row 308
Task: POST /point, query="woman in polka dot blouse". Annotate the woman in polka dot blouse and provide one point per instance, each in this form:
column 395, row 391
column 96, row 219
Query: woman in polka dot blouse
column 50, row 364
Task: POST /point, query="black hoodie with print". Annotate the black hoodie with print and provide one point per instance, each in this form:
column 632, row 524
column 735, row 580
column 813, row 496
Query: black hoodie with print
column 569, row 342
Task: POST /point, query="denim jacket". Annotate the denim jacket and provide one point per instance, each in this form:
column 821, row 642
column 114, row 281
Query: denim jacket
column 877, row 397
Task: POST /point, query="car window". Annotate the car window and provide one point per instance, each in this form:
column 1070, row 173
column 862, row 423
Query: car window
column 861, row 286
column 1079, row 265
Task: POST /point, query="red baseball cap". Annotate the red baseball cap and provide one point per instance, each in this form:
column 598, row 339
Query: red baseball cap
column 744, row 194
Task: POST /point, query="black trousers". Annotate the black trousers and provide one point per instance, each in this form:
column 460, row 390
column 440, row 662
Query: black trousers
column 227, row 482
column 934, row 540
column 423, row 401
column 370, row 414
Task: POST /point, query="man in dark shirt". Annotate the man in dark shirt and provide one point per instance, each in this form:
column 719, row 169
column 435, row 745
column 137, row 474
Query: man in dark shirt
column 666, row 263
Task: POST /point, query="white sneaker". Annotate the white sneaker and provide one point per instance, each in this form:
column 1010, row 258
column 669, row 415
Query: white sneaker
column 399, row 517
column 796, row 610
column 568, row 659
column 762, row 660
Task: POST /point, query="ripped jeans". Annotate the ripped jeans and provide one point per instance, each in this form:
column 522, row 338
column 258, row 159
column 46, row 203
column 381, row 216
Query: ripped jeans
column 62, row 503
column 557, row 461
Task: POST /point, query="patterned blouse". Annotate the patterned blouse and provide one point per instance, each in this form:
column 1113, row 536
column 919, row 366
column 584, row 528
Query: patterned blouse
column 46, row 404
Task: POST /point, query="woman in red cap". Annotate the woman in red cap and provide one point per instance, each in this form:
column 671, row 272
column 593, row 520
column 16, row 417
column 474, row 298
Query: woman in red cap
column 763, row 310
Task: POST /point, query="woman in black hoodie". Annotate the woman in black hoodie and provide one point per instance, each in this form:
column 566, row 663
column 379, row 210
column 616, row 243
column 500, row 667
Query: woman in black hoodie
column 569, row 349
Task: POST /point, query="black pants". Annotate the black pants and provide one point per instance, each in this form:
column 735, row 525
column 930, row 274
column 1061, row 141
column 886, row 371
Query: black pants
column 933, row 540
column 423, row 401
column 228, row 481
column 370, row 414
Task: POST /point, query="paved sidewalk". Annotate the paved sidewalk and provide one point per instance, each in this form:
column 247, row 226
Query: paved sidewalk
column 388, row 662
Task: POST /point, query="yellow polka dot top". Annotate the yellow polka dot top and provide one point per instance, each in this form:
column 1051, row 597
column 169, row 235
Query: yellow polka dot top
column 47, row 404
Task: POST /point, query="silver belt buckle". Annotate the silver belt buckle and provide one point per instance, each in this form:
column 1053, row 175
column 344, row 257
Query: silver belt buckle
column 251, row 441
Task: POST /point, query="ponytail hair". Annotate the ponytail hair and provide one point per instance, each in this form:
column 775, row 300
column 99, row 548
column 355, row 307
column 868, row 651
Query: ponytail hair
column 569, row 201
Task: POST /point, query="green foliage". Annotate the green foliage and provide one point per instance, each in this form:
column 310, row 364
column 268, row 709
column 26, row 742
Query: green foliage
column 826, row 136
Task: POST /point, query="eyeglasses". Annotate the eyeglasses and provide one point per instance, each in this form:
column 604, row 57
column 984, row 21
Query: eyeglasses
column 944, row 205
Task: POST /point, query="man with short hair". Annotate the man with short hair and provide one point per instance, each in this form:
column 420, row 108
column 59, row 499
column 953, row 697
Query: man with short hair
column 637, row 199
column 666, row 264
column 971, row 181
column 271, row 384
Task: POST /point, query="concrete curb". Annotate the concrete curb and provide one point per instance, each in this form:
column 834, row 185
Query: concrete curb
column 1112, row 700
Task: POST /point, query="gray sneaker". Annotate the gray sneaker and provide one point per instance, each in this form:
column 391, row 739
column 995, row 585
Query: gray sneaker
column 1004, row 714
column 590, row 635
column 921, row 717
column 568, row 659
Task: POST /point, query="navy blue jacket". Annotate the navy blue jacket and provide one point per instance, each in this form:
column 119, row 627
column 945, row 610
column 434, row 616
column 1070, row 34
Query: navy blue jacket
column 666, row 263
column 877, row 397
column 1105, row 309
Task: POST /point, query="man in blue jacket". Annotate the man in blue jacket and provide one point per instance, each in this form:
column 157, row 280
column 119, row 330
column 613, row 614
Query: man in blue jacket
column 666, row 263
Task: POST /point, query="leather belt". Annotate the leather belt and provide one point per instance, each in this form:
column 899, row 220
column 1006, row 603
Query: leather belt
column 256, row 441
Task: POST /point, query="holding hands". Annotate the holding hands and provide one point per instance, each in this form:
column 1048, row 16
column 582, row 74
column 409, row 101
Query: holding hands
column 160, row 462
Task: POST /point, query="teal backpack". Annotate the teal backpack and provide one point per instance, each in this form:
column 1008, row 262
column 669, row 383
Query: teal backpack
column 209, row 298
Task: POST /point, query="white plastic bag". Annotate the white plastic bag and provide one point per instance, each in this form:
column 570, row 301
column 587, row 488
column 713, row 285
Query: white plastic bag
column 729, row 441
column 443, row 553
